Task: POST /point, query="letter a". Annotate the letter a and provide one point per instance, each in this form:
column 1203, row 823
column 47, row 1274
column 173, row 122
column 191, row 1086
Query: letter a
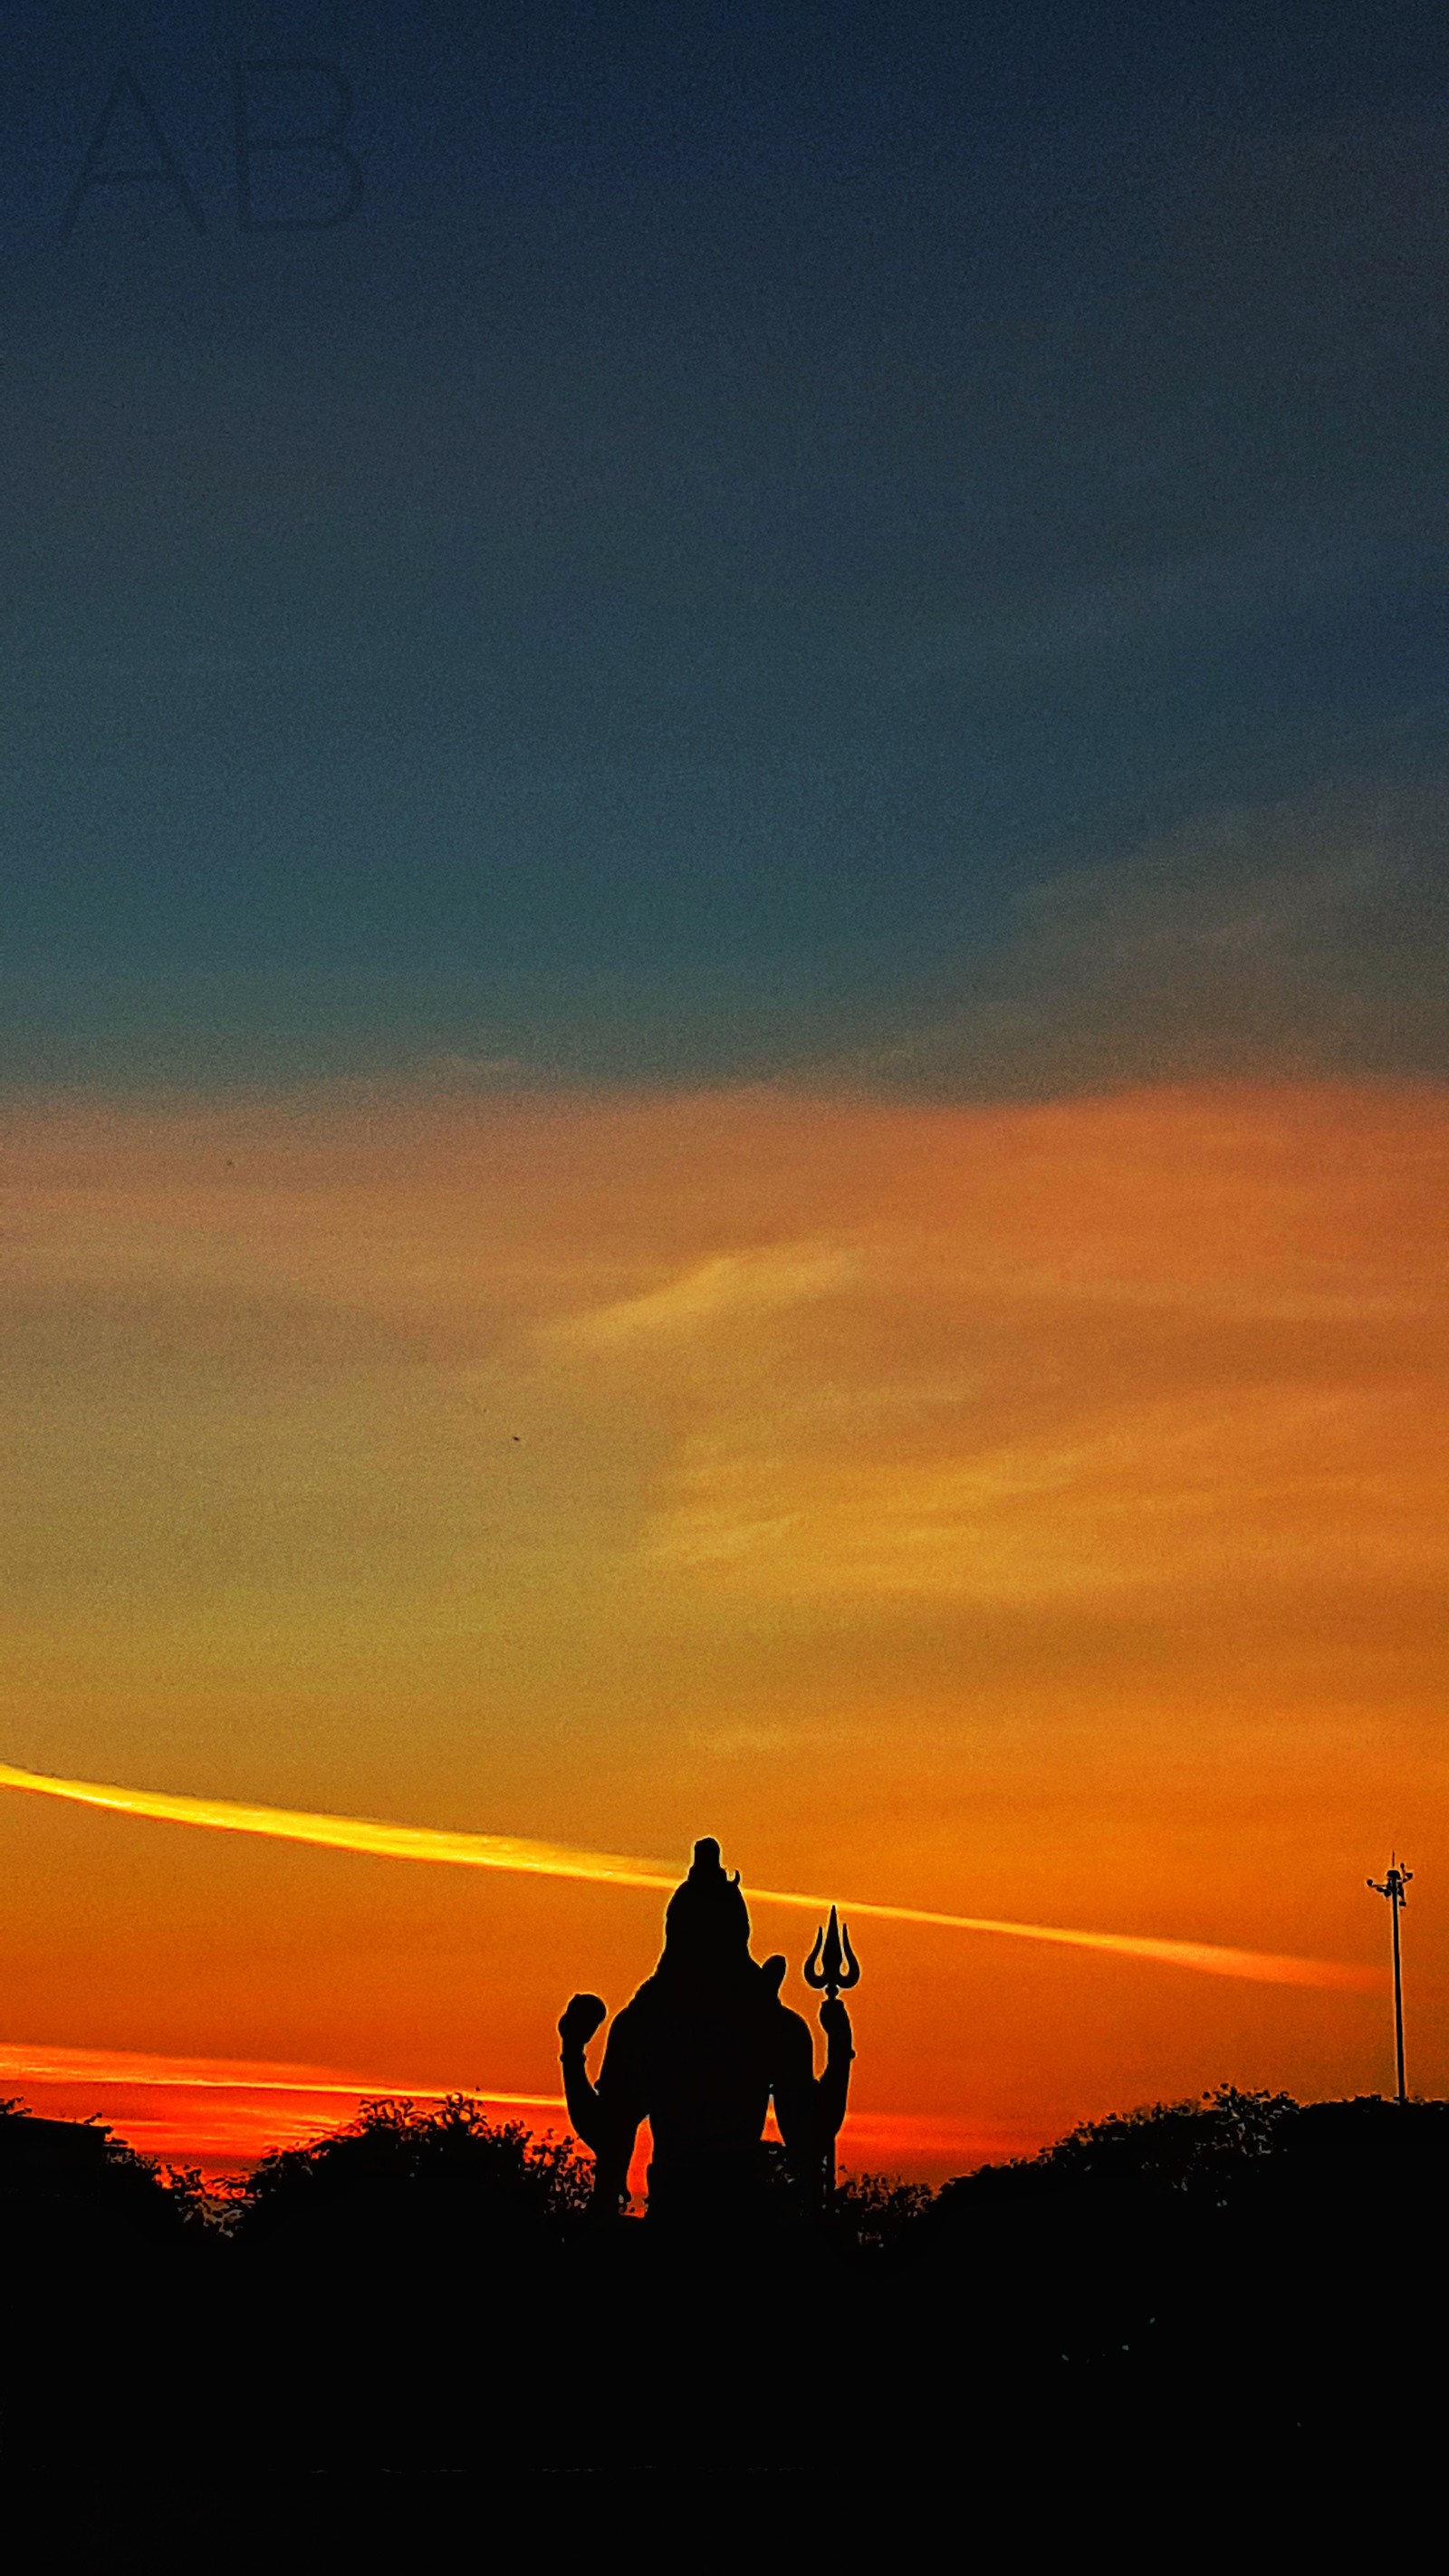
column 165, row 170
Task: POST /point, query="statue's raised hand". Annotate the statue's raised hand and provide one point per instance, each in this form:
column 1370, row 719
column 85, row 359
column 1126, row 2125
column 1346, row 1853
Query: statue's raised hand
column 580, row 2019
column 835, row 2022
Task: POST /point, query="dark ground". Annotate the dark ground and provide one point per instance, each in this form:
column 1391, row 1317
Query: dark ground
column 1159, row 2313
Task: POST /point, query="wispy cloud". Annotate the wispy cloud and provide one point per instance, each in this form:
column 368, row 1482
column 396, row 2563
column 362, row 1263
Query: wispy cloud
column 214, row 2111
column 1268, row 1484
column 732, row 1286
column 36, row 2062
column 1292, row 941
column 549, row 1860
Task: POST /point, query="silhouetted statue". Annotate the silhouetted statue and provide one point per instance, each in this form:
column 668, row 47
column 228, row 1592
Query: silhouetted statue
column 700, row 2053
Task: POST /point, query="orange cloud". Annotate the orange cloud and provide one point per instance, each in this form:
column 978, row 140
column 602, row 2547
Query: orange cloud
column 212, row 2111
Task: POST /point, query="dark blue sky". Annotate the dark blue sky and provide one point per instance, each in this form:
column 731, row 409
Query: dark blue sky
column 747, row 496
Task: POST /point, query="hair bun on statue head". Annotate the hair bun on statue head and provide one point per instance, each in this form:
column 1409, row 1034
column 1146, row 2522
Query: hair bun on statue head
column 706, row 1862
column 707, row 1914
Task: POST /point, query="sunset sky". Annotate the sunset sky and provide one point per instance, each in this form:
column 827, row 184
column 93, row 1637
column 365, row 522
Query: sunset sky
column 724, row 1049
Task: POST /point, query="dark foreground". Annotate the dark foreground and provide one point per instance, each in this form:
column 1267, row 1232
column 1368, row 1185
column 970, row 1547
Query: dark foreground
column 1169, row 2305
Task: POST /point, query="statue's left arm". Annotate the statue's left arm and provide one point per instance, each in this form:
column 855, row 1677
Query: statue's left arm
column 833, row 2086
column 810, row 2110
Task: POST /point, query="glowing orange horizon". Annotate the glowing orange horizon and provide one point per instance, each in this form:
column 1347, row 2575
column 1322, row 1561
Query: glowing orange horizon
column 35, row 2062
column 224, row 2110
column 552, row 1860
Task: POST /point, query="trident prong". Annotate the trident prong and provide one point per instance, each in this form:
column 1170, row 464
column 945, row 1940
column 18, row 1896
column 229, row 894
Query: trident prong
column 832, row 1967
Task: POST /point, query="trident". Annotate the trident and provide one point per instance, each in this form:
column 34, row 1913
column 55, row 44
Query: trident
column 831, row 1969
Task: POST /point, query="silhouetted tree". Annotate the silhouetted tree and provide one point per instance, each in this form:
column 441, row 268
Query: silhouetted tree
column 1193, row 2147
column 876, row 2211
column 74, row 2182
column 439, row 2163
column 1173, row 2289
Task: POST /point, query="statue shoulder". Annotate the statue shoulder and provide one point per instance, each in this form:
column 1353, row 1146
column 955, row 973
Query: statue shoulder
column 642, row 2008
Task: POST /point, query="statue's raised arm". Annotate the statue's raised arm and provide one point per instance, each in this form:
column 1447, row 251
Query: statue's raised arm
column 599, row 2112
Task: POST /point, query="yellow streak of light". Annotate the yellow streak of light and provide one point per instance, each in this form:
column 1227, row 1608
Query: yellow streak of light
column 132, row 2068
column 553, row 1860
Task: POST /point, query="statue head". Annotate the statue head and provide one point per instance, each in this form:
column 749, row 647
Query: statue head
column 706, row 1922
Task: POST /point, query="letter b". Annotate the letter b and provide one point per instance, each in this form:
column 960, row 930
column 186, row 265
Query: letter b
column 323, row 143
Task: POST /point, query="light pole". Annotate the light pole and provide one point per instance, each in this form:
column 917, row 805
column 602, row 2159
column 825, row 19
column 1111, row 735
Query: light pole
column 1394, row 1882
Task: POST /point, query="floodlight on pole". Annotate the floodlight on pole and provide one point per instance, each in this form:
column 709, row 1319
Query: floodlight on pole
column 1392, row 1885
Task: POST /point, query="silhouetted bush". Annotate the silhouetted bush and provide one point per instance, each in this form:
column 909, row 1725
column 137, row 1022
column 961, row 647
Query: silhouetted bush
column 71, row 2183
column 402, row 2164
column 876, row 2211
column 1189, row 2290
column 1197, row 2149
